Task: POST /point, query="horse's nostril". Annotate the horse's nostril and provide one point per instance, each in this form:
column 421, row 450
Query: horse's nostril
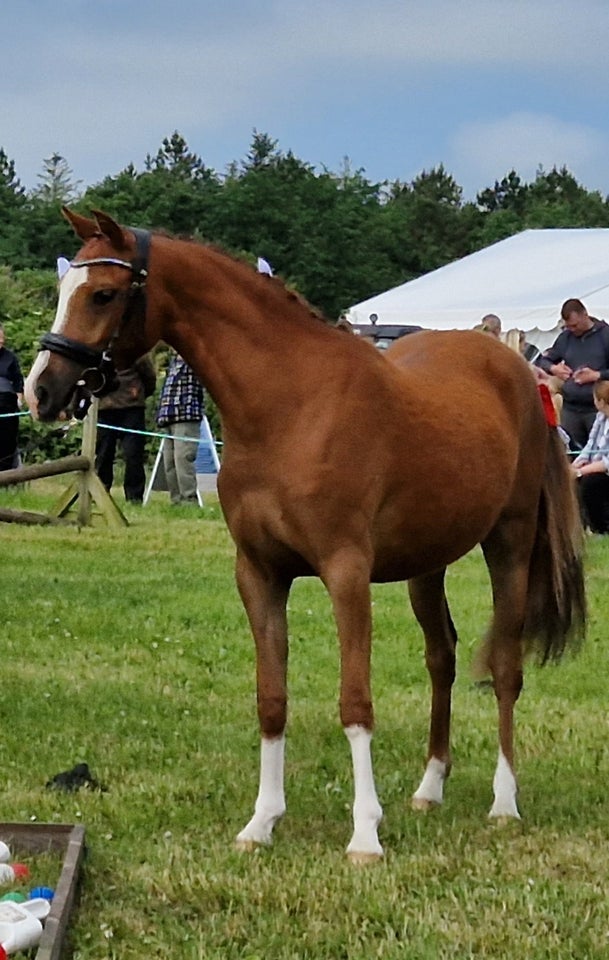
column 43, row 403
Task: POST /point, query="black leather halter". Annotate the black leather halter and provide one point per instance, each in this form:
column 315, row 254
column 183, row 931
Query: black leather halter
column 99, row 376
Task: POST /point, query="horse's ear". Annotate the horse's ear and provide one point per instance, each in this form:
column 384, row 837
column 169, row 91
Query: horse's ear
column 82, row 226
column 111, row 229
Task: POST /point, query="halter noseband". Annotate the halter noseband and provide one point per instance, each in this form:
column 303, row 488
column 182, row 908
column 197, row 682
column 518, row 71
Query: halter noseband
column 99, row 376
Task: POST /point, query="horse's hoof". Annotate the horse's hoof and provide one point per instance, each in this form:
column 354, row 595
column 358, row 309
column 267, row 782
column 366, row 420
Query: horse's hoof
column 422, row 804
column 247, row 846
column 360, row 859
column 506, row 822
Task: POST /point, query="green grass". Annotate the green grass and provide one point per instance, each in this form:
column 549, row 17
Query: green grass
column 131, row 651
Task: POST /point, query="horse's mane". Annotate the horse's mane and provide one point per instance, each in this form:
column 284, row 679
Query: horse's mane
column 240, row 260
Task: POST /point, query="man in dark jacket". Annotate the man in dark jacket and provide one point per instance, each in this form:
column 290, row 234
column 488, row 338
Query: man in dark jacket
column 11, row 397
column 579, row 357
column 125, row 410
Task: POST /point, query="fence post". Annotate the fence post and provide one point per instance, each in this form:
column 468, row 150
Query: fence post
column 88, row 488
column 89, row 433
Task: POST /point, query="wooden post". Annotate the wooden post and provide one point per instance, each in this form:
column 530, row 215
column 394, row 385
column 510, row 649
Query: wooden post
column 89, row 433
column 88, row 488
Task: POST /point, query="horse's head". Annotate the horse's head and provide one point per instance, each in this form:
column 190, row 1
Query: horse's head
column 99, row 325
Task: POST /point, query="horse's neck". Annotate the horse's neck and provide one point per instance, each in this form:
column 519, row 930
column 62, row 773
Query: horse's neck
column 247, row 343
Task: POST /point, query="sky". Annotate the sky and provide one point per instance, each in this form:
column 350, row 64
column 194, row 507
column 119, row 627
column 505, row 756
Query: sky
column 390, row 88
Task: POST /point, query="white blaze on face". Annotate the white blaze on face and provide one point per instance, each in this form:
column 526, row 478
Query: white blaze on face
column 67, row 288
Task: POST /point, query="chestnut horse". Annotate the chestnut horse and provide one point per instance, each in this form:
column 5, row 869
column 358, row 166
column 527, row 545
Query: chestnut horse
column 348, row 464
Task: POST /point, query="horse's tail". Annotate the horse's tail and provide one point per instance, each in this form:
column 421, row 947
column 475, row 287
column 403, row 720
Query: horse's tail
column 555, row 616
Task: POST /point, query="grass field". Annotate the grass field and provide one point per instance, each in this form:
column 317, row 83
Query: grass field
column 131, row 651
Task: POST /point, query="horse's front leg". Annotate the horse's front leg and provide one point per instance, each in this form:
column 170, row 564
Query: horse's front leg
column 347, row 579
column 264, row 596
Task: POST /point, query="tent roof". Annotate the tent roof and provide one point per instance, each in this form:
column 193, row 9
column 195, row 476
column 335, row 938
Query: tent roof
column 524, row 280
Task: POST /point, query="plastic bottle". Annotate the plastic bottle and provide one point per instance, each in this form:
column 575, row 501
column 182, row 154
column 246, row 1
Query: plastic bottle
column 11, row 872
column 20, row 924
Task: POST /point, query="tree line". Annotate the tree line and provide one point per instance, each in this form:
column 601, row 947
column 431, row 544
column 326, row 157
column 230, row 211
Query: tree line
column 336, row 237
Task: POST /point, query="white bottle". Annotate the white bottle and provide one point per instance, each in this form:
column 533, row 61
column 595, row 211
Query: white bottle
column 20, row 923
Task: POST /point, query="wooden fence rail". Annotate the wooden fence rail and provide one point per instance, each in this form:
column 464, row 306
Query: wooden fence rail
column 36, row 471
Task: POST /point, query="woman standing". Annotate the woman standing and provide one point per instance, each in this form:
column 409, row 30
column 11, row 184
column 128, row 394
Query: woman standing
column 11, row 398
column 592, row 465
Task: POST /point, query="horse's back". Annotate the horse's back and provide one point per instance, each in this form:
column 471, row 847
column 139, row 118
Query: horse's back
column 472, row 377
column 454, row 353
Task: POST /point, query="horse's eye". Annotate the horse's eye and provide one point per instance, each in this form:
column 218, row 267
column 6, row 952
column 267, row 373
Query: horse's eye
column 103, row 297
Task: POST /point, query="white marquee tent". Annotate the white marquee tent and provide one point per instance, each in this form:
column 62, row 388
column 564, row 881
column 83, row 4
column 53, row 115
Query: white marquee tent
column 524, row 280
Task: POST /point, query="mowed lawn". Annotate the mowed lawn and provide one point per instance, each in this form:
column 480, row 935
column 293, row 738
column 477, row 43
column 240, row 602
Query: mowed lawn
column 131, row 651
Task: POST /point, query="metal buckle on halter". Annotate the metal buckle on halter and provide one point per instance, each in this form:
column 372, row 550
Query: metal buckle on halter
column 99, row 380
column 94, row 382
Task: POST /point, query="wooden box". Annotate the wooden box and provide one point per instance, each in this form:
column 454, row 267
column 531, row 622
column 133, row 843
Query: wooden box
column 28, row 839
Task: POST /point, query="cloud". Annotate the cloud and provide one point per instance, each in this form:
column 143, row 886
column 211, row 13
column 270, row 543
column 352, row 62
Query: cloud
column 207, row 40
column 103, row 86
column 439, row 32
column 524, row 142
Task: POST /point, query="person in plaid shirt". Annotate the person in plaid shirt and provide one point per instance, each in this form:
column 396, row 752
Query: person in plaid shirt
column 181, row 409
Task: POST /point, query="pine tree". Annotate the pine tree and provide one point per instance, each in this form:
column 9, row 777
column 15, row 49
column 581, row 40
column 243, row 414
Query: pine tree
column 56, row 183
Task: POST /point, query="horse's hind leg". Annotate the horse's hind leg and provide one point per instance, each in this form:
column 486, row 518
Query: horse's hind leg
column 431, row 610
column 507, row 554
column 347, row 579
column 264, row 597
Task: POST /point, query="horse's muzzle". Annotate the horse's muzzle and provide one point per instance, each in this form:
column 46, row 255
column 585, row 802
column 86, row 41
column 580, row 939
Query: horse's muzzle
column 50, row 406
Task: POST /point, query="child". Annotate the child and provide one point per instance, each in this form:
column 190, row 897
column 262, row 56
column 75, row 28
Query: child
column 592, row 464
